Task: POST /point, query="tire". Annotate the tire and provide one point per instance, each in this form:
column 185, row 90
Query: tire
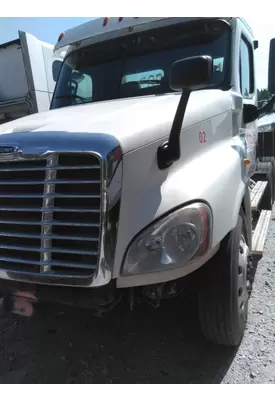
column 273, row 177
column 271, row 160
column 223, row 294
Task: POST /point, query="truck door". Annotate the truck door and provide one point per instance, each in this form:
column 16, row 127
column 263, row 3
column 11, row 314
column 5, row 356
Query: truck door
column 248, row 91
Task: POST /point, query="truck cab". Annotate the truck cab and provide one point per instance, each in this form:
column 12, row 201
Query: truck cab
column 140, row 175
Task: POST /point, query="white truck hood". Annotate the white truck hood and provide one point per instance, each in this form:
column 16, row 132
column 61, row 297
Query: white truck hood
column 133, row 122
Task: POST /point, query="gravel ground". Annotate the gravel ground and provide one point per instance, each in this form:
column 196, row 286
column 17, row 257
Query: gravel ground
column 63, row 345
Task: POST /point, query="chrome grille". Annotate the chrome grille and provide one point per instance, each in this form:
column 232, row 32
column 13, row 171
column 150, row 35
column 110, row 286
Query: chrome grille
column 50, row 215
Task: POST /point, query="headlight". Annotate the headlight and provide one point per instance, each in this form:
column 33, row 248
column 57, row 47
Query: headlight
column 173, row 241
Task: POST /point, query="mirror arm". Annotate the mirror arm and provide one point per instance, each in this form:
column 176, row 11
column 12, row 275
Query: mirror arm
column 169, row 152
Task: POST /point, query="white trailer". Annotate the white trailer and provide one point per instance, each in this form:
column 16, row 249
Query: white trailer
column 28, row 72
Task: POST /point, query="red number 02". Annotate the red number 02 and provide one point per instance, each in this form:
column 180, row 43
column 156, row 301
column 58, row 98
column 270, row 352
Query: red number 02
column 202, row 137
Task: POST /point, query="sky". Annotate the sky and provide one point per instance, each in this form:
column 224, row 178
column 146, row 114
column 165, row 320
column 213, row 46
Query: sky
column 48, row 30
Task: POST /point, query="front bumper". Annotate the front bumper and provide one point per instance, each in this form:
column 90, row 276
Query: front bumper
column 98, row 299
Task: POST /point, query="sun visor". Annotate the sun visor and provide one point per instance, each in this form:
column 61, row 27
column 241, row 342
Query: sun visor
column 100, row 26
column 108, row 27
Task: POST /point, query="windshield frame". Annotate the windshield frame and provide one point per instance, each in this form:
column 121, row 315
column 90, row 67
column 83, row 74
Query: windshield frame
column 224, row 85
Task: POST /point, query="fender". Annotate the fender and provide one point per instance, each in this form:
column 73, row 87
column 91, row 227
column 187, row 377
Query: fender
column 213, row 176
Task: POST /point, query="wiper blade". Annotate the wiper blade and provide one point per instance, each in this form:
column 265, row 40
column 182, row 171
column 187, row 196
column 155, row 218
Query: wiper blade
column 69, row 96
column 145, row 81
column 150, row 81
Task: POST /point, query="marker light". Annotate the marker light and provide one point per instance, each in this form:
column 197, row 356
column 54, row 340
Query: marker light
column 106, row 20
column 62, row 34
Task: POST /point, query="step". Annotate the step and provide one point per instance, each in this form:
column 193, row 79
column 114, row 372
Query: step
column 260, row 233
column 257, row 194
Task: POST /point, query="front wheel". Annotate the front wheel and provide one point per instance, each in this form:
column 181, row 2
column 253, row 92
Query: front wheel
column 223, row 294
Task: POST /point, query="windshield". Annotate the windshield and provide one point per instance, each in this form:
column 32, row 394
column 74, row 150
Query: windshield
column 138, row 66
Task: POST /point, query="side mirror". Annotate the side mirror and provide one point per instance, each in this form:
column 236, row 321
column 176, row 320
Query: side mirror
column 271, row 67
column 187, row 75
column 192, row 73
column 56, row 69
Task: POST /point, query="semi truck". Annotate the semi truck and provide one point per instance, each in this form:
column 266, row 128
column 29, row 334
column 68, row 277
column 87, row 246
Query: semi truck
column 143, row 176
column 28, row 72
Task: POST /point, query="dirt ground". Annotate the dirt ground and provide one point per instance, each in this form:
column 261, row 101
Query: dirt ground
column 63, row 345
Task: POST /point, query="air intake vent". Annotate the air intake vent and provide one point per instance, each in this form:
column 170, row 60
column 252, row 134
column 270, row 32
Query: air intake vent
column 50, row 215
